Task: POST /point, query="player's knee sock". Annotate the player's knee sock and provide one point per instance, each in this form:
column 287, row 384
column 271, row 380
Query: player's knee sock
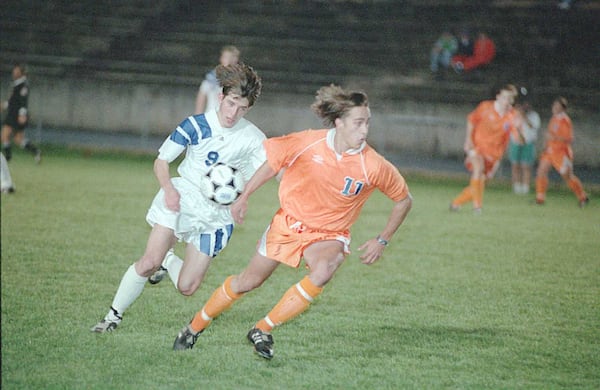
column 575, row 185
column 294, row 301
column 465, row 196
column 130, row 288
column 6, row 182
column 221, row 299
column 7, row 151
column 541, row 186
column 478, row 188
column 173, row 264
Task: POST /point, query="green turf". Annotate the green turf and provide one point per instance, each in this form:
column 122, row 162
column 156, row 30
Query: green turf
column 508, row 299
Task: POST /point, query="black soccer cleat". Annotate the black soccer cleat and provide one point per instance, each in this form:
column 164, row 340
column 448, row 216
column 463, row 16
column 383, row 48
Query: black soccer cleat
column 185, row 339
column 262, row 341
column 159, row 275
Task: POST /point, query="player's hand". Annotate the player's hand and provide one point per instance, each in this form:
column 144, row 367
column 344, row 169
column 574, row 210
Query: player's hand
column 238, row 210
column 172, row 198
column 372, row 251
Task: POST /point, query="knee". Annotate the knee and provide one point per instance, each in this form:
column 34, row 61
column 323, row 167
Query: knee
column 147, row 265
column 323, row 273
column 186, row 290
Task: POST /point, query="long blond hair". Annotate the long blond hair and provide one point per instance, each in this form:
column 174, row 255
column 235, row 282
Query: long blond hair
column 333, row 102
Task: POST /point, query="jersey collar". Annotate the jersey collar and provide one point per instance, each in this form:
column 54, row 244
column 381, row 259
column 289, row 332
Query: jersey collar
column 331, row 137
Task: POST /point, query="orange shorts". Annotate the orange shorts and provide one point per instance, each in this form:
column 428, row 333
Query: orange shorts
column 490, row 164
column 286, row 239
column 561, row 161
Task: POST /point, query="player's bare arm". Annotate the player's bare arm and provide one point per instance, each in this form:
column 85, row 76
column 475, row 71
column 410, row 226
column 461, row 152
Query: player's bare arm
column 373, row 248
column 260, row 177
column 161, row 171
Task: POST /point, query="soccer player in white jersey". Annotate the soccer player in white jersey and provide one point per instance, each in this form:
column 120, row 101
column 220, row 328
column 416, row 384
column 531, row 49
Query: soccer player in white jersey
column 179, row 211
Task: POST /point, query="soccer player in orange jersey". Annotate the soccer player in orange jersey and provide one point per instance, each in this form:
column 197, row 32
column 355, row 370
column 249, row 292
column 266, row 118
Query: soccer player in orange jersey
column 558, row 154
column 329, row 175
column 488, row 131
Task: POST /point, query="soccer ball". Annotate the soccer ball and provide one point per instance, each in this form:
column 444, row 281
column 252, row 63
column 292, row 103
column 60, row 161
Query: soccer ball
column 222, row 184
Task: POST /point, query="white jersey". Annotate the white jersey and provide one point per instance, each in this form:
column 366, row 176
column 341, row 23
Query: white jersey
column 531, row 127
column 201, row 221
column 208, row 143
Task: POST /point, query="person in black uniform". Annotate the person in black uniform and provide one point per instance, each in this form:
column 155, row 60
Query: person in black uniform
column 17, row 116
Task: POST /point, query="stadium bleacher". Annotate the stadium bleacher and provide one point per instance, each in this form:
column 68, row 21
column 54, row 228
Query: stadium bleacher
column 298, row 46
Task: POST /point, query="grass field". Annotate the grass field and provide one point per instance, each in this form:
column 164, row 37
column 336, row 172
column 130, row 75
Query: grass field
column 508, row 299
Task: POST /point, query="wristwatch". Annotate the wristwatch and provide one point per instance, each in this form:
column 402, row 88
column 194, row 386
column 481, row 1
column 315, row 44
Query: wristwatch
column 382, row 241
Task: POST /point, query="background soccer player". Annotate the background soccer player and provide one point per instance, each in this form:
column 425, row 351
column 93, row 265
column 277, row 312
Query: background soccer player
column 17, row 116
column 521, row 150
column 558, row 154
column 180, row 211
column 329, row 175
column 208, row 93
column 488, row 130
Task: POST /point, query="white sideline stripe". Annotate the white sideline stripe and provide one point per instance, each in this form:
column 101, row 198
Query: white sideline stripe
column 303, row 292
column 205, row 316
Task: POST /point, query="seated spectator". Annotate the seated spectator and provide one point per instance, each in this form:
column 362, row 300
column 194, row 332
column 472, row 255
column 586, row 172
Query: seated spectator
column 442, row 51
column 484, row 51
column 465, row 43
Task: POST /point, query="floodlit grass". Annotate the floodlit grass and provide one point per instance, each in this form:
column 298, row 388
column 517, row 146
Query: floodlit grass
column 507, row 299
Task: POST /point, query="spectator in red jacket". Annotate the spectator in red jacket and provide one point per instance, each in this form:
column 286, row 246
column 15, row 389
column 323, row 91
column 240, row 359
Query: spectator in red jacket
column 484, row 52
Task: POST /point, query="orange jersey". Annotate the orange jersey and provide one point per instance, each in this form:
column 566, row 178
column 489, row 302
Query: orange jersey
column 324, row 190
column 560, row 126
column 491, row 131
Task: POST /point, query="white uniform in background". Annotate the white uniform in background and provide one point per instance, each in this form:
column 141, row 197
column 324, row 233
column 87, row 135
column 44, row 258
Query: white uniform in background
column 211, row 89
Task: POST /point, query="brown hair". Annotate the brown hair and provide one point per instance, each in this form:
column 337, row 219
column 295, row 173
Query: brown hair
column 562, row 101
column 509, row 88
column 333, row 102
column 240, row 79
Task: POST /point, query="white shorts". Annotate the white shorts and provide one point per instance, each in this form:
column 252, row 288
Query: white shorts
column 199, row 221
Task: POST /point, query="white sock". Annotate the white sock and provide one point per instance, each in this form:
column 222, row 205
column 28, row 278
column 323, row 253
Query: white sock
column 173, row 265
column 5, row 178
column 524, row 188
column 130, row 288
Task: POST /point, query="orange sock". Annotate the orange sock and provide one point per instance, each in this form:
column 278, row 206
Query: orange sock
column 294, row 301
column 465, row 196
column 575, row 185
column 221, row 299
column 478, row 187
column 541, row 186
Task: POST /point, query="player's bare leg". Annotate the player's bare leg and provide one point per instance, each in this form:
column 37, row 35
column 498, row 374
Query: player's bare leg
column 193, row 270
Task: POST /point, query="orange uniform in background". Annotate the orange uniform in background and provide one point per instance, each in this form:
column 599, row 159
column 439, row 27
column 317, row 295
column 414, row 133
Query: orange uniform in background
column 557, row 151
column 559, row 154
column 491, row 132
column 490, row 136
